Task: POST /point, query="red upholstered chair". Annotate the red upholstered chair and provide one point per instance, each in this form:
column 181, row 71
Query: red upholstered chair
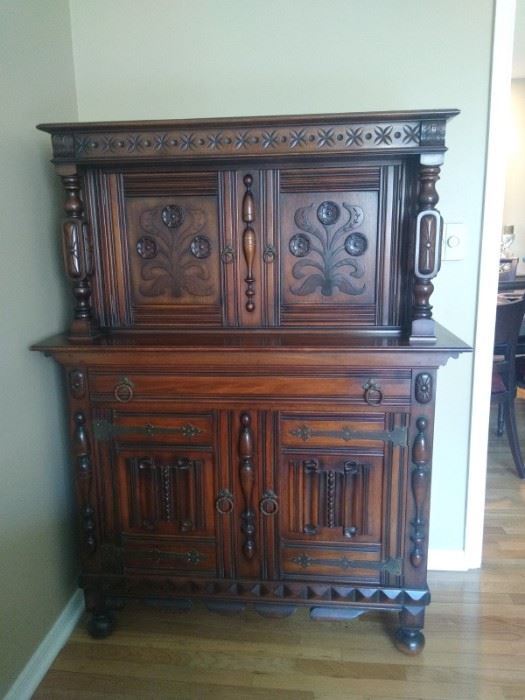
column 509, row 315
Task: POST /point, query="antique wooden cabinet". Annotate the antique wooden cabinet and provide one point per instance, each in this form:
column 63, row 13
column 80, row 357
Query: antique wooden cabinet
column 252, row 362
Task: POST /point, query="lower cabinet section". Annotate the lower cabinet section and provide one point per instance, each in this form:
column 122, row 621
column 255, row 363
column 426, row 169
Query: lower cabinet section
column 255, row 506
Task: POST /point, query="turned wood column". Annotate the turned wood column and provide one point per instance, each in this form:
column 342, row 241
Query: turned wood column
column 78, row 256
column 427, row 248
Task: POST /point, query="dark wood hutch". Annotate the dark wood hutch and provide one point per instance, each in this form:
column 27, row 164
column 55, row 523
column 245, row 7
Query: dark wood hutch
column 251, row 365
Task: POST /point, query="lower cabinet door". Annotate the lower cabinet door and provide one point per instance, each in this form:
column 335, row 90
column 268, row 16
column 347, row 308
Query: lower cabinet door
column 159, row 475
column 341, row 485
column 167, row 514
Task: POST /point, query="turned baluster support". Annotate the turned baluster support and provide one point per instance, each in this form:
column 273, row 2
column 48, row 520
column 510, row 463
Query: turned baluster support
column 247, row 479
column 78, row 257
column 427, row 253
column 249, row 241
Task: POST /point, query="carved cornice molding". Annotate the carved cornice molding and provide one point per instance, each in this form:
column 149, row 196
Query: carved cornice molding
column 257, row 137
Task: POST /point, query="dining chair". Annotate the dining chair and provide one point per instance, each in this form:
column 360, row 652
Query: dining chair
column 509, row 315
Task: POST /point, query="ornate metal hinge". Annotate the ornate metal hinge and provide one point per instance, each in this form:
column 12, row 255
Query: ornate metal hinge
column 104, row 430
column 390, row 566
column 397, row 436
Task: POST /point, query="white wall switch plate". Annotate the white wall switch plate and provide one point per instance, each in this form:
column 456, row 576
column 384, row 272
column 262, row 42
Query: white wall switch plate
column 454, row 242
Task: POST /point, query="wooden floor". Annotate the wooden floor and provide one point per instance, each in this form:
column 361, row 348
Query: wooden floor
column 475, row 632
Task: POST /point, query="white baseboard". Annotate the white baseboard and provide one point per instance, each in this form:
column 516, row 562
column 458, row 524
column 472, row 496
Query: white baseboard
column 448, row 560
column 38, row 665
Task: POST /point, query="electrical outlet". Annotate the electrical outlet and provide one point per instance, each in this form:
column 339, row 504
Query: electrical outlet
column 454, row 242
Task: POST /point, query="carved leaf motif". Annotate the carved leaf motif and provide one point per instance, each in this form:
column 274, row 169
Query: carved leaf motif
column 324, row 260
column 174, row 270
column 309, row 285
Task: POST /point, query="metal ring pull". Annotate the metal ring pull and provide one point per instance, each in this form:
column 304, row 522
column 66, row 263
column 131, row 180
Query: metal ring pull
column 269, row 505
column 269, row 253
column 373, row 394
column 227, row 255
column 123, row 391
column 224, row 502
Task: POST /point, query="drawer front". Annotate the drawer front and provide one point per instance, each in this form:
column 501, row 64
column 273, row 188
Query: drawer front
column 366, row 429
column 156, row 428
column 336, row 564
column 178, row 557
column 359, row 388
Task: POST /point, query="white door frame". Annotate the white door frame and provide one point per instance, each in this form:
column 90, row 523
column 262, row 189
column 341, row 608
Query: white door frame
column 494, row 192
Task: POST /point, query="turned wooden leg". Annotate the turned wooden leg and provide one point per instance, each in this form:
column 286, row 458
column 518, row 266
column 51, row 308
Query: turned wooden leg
column 101, row 622
column 514, row 441
column 409, row 638
column 501, row 420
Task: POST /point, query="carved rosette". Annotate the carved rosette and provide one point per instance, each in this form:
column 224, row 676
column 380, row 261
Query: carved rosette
column 424, row 387
column 77, row 383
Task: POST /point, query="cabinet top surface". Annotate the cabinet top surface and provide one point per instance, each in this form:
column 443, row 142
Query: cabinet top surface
column 266, row 136
column 259, row 340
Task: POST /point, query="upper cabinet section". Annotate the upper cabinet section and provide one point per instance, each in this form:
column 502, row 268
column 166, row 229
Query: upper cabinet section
column 288, row 222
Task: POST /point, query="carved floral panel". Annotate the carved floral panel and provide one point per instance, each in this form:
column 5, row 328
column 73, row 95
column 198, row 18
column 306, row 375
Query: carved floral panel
column 328, row 248
column 173, row 250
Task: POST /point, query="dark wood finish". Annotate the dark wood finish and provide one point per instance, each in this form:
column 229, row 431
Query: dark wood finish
column 253, row 422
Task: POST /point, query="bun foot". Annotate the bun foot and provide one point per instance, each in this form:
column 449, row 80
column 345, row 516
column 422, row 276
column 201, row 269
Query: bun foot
column 100, row 625
column 409, row 641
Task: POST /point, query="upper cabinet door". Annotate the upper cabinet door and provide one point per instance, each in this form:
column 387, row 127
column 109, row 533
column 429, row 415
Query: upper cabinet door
column 339, row 264
column 160, row 249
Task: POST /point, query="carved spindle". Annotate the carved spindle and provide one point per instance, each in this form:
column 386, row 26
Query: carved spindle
column 84, row 473
column 78, row 257
column 247, row 478
column 88, row 525
column 310, row 496
column 248, row 240
column 330, row 498
column 429, row 229
column 420, row 481
column 350, row 476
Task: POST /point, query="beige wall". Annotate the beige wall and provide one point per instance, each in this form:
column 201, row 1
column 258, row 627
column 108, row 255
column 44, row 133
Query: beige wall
column 514, row 211
column 204, row 58
column 37, row 574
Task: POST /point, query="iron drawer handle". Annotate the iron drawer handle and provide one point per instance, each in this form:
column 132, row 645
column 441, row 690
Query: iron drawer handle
column 123, row 391
column 268, row 505
column 373, row 394
column 224, row 502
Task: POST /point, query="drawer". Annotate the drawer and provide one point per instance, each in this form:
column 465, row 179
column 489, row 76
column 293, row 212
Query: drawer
column 360, row 430
column 174, row 557
column 336, row 563
column 156, row 428
column 365, row 389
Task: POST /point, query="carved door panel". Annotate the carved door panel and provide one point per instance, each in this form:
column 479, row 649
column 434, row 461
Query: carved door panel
column 160, row 249
column 337, row 266
column 339, row 481
column 159, row 477
column 166, row 504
